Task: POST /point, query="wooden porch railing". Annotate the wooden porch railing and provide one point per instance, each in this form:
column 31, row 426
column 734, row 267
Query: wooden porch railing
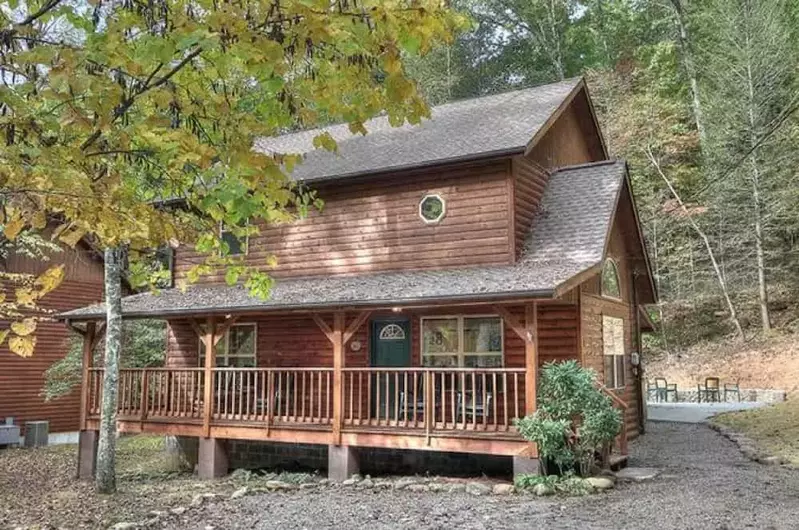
column 622, row 405
column 425, row 400
column 450, row 399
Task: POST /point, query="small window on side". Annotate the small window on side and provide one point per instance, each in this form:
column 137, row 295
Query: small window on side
column 236, row 245
column 610, row 280
column 432, row 208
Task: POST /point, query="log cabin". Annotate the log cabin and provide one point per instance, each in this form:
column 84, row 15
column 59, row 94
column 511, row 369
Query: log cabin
column 22, row 380
column 451, row 261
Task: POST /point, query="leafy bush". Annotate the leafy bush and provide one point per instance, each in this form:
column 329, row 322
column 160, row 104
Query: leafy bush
column 567, row 484
column 574, row 421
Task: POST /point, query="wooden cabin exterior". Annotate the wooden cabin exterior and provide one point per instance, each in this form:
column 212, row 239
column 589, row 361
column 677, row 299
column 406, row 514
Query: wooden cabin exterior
column 22, row 379
column 451, row 261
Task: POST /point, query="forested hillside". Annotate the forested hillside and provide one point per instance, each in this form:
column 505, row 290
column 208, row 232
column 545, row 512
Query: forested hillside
column 701, row 97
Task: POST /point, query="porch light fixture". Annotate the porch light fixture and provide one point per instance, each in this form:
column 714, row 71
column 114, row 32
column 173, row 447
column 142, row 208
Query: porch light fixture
column 432, row 208
column 396, row 309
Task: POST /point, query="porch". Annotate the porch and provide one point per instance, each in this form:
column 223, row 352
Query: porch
column 396, row 379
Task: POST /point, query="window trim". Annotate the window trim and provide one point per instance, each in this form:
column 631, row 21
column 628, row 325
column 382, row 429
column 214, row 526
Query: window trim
column 613, row 385
column 200, row 356
column 612, row 262
column 460, row 354
column 443, row 208
column 246, row 242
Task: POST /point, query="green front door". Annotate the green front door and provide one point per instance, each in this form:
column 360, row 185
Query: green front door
column 390, row 347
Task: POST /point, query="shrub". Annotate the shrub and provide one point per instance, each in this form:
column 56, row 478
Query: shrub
column 574, row 421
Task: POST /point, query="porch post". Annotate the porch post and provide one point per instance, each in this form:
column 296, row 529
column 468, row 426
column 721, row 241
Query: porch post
column 337, row 338
column 530, row 356
column 87, row 441
column 208, row 390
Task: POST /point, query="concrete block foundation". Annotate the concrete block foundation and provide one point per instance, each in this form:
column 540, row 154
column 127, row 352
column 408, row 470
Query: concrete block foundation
column 342, row 462
column 212, row 458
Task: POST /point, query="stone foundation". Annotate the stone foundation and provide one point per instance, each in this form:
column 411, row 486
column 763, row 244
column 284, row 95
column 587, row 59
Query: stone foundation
column 747, row 395
column 372, row 461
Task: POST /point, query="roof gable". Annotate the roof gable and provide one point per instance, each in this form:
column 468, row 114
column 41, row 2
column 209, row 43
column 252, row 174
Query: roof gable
column 492, row 125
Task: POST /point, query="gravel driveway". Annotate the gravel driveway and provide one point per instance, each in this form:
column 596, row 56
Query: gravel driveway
column 705, row 483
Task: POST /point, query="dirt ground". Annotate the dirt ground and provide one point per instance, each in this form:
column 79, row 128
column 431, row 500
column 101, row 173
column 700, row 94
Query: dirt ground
column 765, row 363
column 705, row 483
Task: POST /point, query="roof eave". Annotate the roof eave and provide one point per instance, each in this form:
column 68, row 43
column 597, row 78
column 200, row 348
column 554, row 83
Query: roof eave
column 374, row 304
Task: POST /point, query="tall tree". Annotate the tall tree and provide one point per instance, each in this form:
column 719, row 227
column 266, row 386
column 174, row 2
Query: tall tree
column 749, row 79
column 111, row 108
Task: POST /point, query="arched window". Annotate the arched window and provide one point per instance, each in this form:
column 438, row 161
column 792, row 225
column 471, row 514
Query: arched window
column 610, row 280
column 392, row 332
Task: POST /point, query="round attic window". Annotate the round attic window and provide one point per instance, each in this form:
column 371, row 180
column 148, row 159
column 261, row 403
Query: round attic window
column 432, row 209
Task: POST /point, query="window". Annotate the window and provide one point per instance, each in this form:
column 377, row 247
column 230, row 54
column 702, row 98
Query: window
column 392, row 332
column 471, row 342
column 432, row 209
column 236, row 245
column 613, row 348
column 165, row 264
column 610, row 280
column 236, row 349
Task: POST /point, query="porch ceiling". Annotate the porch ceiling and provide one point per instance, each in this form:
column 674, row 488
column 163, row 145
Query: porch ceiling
column 567, row 239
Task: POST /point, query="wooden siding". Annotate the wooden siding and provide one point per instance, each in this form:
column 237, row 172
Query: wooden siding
column 374, row 225
column 296, row 340
column 529, row 180
column 593, row 306
column 572, row 139
column 22, row 380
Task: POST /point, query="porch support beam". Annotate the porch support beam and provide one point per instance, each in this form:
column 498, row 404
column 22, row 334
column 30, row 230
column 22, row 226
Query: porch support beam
column 210, row 358
column 324, row 327
column 223, row 328
column 355, row 325
column 531, row 356
column 87, row 439
column 338, row 376
column 88, row 358
column 528, row 332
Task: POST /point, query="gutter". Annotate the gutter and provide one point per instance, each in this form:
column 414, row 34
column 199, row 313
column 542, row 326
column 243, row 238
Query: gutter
column 483, row 297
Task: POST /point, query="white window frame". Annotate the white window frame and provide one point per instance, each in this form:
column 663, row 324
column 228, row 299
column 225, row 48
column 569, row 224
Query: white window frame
column 225, row 341
column 612, row 380
column 245, row 243
column 443, row 208
column 461, row 354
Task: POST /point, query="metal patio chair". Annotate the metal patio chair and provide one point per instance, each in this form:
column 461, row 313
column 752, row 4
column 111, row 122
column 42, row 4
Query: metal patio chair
column 663, row 388
column 732, row 388
column 710, row 390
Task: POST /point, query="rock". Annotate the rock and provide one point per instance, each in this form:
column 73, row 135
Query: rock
column 366, row 483
column 356, row 477
column 156, row 513
column 543, row 490
column 437, row 486
column 196, row 501
column 478, row 488
column 502, row 489
column 178, row 510
column 600, row 483
column 770, row 460
column 384, row 484
column 349, row 482
column 124, row 526
column 418, row 487
column 404, row 482
column 279, row 485
column 239, row 493
column 308, row 486
column 456, row 488
column 637, row 474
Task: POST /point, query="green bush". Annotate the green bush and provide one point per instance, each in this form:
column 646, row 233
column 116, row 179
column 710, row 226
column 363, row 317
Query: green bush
column 574, row 421
column 567, row 484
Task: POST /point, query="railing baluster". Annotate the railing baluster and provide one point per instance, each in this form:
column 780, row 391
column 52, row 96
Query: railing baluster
column 294, row 391
column 516, row 395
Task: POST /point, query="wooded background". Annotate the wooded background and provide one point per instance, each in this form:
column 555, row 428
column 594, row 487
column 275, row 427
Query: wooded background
column 700, row 97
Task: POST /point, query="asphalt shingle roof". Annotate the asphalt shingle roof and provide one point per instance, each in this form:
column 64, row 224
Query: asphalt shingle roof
column 568, row 237
column 463, row 129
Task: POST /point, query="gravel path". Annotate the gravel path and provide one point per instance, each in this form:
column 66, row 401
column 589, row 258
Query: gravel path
column 705, row 483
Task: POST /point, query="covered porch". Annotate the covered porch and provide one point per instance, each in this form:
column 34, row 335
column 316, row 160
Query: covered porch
column 448, row 377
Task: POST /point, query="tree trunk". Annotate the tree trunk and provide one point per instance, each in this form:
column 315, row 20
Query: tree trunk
column 105, row 481
column 765, row 320
column 722, row 284
column 690, row 69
